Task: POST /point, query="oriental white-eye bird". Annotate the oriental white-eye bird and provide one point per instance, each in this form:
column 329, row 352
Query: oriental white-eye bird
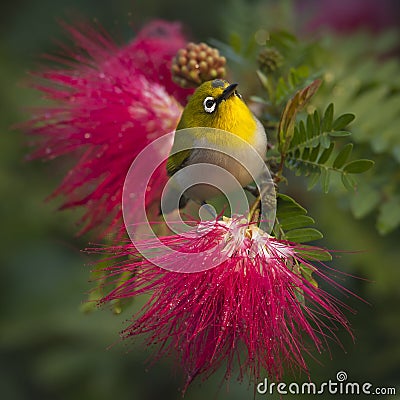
column 236, row 132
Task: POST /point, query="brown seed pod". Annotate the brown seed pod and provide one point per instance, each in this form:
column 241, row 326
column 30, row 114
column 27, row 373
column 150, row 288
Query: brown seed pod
column 197, row 63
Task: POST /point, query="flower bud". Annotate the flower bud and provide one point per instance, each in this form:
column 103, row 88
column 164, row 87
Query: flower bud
column 269, row 60
column 197, row 63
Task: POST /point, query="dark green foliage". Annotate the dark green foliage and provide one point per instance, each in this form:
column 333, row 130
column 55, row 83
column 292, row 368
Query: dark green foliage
column 361, row 78
column 343, row 155
column 293, row 223
column 312, row 149
column 285, row 86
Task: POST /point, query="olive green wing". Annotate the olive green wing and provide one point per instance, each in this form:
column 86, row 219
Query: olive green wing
column 184, row 139
column 176, row 161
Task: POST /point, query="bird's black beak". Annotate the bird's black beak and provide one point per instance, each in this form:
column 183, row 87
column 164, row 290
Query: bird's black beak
column 228, row 91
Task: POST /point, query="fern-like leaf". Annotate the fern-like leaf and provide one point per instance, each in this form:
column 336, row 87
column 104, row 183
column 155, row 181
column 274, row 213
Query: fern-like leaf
column 312, row 150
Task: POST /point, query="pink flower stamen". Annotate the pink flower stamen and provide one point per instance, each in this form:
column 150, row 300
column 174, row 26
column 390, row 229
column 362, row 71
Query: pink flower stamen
column 246, row 312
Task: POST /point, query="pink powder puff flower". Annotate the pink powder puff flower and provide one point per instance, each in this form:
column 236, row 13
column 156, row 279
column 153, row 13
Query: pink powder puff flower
column 253, row 311
column 110, row 103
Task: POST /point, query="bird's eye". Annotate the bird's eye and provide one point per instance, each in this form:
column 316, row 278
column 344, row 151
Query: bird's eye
column 209, row 104
column 238, row 95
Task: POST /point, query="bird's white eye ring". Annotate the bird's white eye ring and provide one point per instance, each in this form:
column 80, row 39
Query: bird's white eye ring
column 209, row 104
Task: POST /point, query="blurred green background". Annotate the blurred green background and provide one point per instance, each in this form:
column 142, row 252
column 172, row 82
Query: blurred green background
column 49, row 349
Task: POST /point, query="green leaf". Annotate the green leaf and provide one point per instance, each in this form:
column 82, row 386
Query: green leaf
column 327, row 120
column 292, row 210
column 310, row 126
column 306, row 153
column 349, row 182
column 317, row 123
column 325, row 141
column 342, row 121
column 307, row 274
column 326, row 154
column 314, row 253
column 314, row 153
column 339, row 133
column 292, row 222
column 302, row 131
column 299, row 293
column 314, row 178
column 303, row 235
column 325, row 180
column 343, row 155
column 358, row 166
column 298, row 221
column 287, row 206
